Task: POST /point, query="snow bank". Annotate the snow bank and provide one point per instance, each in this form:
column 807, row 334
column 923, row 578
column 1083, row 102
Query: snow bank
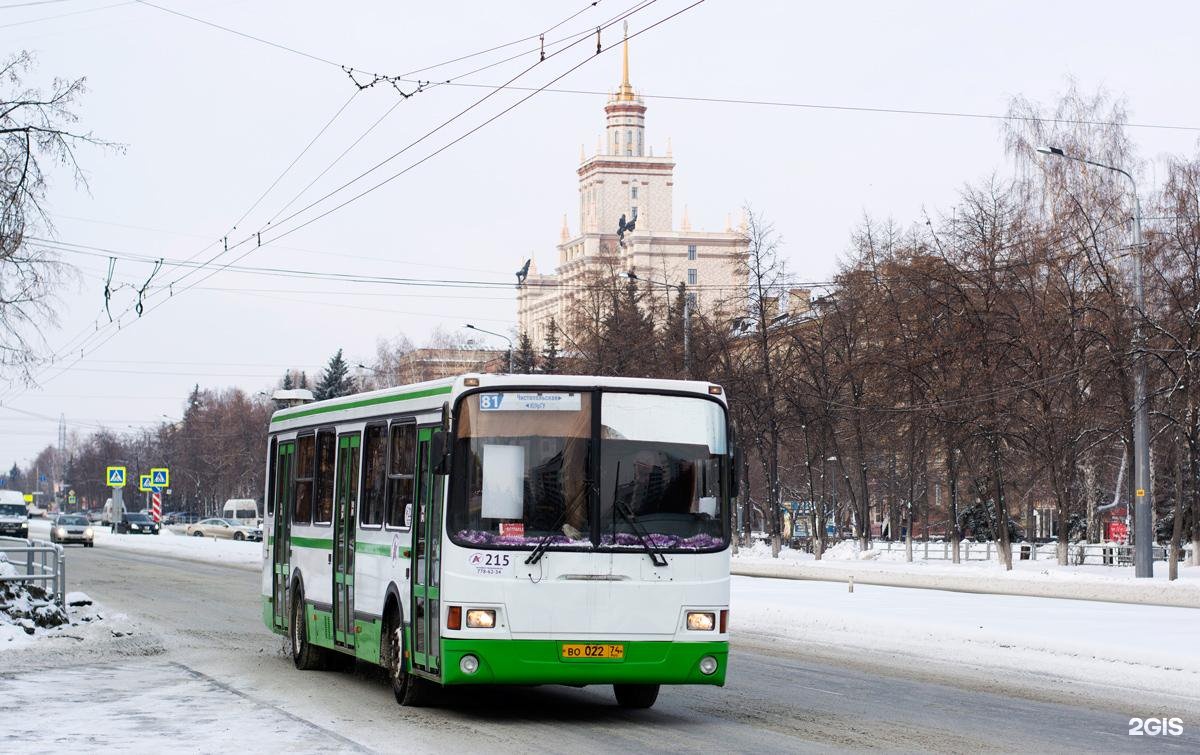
column 242, row 554
column 1041, row 578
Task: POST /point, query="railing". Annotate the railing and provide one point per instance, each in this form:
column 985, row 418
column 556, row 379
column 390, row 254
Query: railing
column 41, row 561
column 1078, row 554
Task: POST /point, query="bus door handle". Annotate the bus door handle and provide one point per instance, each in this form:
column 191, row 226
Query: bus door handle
column 329, row 559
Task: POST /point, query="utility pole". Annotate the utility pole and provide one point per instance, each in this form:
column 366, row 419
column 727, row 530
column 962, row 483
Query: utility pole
column 1143, row 506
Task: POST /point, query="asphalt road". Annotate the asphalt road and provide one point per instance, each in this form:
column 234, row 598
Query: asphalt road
column 779, row 696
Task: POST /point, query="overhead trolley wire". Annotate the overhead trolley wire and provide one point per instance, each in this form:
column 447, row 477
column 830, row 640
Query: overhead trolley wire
column 641, row 6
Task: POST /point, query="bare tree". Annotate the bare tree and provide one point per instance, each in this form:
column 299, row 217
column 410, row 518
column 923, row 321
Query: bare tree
column 36, row 133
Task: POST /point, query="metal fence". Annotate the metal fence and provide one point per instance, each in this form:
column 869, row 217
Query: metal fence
column 1078, row 554
column 37, row 561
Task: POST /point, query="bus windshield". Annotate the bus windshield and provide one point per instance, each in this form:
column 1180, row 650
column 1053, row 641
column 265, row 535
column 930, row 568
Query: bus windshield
column 523, row 462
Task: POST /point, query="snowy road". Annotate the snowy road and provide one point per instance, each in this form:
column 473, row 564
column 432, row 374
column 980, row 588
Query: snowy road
column 224, row 680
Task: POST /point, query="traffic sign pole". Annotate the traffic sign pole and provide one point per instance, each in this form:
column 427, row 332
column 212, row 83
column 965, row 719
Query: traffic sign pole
column 156, row 505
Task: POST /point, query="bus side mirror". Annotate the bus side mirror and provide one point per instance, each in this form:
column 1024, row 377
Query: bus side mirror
column 735, row 471
column 440, row 451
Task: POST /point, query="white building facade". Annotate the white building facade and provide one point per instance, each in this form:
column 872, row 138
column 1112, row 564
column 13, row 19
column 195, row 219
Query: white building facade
column 624, row 178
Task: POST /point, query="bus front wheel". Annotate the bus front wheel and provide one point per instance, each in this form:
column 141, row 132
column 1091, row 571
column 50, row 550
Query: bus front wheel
column 408, row 689
column 635, row 695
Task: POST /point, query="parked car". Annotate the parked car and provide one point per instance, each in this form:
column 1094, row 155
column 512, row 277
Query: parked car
column 14, row 520
column 95, row 516
column 224, row 528
column 71, row 528
column 180, row 517
column 135, row 523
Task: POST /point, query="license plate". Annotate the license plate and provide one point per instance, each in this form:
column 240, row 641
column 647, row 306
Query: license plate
column 592, row 650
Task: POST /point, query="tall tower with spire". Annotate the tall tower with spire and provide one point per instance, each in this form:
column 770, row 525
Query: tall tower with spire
column 625, row 179
column 625, row 115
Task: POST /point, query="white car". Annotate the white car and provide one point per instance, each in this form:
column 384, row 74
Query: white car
column 229, row 529
column 14, row 519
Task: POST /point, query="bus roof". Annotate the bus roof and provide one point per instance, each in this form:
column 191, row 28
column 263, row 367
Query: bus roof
column 429, row 395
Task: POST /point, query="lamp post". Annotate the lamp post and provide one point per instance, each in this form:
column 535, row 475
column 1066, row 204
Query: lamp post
column 687, row 318
column 1143, row 519
column 497, row 335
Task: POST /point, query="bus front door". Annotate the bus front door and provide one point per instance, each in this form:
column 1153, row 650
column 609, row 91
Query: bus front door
column 344, row 539
column 281, row 533
column 426, row 573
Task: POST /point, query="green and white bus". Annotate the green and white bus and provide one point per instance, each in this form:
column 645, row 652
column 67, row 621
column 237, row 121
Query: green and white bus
column 505, row 529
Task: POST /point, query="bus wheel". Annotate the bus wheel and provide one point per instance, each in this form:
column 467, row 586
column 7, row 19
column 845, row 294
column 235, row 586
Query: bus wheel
column 408, row 689
column 304, row 654
column 635, row 695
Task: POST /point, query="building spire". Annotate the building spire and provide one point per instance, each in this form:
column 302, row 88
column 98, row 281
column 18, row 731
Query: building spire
column 625, row 93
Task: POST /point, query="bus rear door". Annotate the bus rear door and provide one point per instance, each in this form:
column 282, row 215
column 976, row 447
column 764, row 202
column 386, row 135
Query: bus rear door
column 281, row 532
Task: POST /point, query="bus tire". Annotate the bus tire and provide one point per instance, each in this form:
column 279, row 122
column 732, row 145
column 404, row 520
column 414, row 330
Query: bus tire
column 635, row 695
column 305, row 655
column 410, row 691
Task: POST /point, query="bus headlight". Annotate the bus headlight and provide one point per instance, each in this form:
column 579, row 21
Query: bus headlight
column 481, row 618
column 469, row 664
column 708, row 665
column 701, row 621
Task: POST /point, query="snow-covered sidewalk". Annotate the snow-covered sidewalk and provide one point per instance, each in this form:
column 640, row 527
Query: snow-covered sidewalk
column 1147, row 647
column 1041, row 578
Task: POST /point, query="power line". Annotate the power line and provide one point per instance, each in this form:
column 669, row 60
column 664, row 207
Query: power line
column 844, row 108
column 388, row 180
column 66, row 15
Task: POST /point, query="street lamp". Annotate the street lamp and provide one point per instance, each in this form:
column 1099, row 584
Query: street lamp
column 687, row 318
column 498, row 335
column 1143, row 521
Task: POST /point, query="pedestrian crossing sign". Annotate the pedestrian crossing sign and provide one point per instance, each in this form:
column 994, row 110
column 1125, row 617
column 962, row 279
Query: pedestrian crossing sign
column 144, row 483
column 115, row 477
column 160, row 477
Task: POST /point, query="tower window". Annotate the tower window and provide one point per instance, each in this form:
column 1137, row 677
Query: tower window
column 691, row 276
column 629, row 136
column 691, row 251
column 633, row 193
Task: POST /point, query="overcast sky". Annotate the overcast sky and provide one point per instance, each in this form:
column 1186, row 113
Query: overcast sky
column 210, row 119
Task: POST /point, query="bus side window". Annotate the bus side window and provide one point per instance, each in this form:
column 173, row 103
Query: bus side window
column 305, row 463
column 326, row 446
column 400, row 474
column 374, row 476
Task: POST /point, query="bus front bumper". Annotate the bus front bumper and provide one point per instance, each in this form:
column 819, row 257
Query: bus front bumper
column 542, row 662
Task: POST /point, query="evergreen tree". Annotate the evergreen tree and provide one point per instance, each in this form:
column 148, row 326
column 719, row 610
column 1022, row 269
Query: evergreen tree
column 550, row 355
column 288, row 383
column 335, row 380
column 14, row 476
column 525, row 359
column 303, row 380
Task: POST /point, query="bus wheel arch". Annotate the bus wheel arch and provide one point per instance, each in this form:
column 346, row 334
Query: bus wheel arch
column 408, row 689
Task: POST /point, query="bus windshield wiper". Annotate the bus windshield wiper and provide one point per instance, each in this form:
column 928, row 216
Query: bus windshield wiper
column 656, row 556
column 544, row 544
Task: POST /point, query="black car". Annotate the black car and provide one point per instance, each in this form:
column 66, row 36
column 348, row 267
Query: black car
column 181, row 517
column 135, row 524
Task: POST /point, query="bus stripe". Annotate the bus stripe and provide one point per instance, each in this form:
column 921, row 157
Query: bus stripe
column 364, row 402
column 320, row 543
